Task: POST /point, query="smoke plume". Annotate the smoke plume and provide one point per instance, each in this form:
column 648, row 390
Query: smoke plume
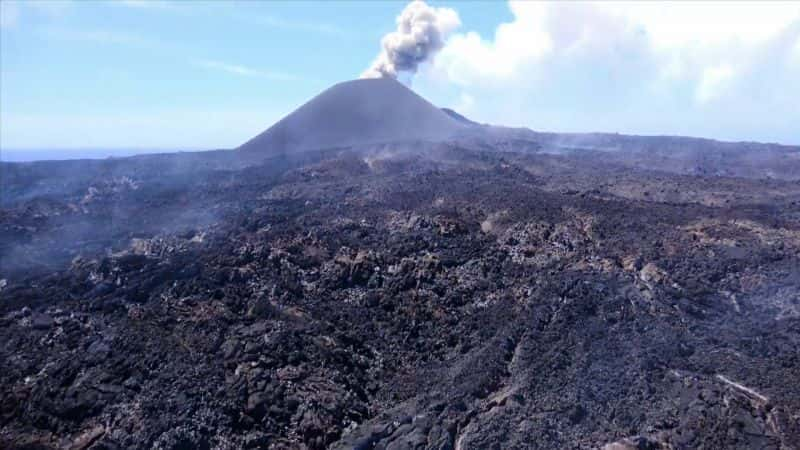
column 421, row 31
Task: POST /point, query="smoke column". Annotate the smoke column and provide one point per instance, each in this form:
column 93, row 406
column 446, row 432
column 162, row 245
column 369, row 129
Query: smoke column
column 421, row 31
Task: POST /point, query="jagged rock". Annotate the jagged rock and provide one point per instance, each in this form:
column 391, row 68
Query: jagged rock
column 87, row 438
column 41, row 321
column 652, row 274
column 451, row 297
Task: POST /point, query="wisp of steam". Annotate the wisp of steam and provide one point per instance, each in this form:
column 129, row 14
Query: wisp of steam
column 421, row 32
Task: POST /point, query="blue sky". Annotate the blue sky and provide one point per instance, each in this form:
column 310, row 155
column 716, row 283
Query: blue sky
column 198, row 75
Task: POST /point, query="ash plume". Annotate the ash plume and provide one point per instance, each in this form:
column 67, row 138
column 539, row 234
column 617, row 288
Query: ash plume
column 421, row 32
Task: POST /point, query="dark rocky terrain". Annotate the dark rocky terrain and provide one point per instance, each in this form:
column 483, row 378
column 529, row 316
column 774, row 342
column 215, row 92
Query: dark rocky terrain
column 487, row 292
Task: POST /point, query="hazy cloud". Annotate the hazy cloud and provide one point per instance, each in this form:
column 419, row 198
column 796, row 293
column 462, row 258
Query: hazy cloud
column 241, row 70
column 159, row 128
column 713, row 81
column 283, row 23
column 114, row 37
column 9, row 14
column 145, row 4
column 12, row 10
column 50, row 8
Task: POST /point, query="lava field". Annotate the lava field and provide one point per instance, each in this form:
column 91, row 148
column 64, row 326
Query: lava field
column 451, row 298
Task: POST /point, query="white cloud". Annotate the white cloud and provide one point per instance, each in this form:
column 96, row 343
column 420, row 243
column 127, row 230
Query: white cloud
column 713, row 81
column 468, row 57
column 672, row 24
column 675, row 33
column 696, row 68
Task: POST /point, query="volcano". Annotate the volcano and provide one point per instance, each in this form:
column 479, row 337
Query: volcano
column 358, row 112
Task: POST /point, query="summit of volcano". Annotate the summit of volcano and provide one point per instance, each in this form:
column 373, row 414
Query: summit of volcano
column 353, row 113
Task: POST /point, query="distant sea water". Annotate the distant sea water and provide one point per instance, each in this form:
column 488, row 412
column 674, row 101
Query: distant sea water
column 27, row 155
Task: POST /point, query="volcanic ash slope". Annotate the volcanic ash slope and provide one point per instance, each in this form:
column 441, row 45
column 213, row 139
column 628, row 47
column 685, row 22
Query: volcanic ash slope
column 357, row 112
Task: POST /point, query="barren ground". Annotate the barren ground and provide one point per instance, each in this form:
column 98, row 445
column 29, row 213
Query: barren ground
column 458, row 300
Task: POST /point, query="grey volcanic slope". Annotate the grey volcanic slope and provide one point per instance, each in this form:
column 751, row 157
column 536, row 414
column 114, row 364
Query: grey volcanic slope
column 353, row 113
column 459, row 117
